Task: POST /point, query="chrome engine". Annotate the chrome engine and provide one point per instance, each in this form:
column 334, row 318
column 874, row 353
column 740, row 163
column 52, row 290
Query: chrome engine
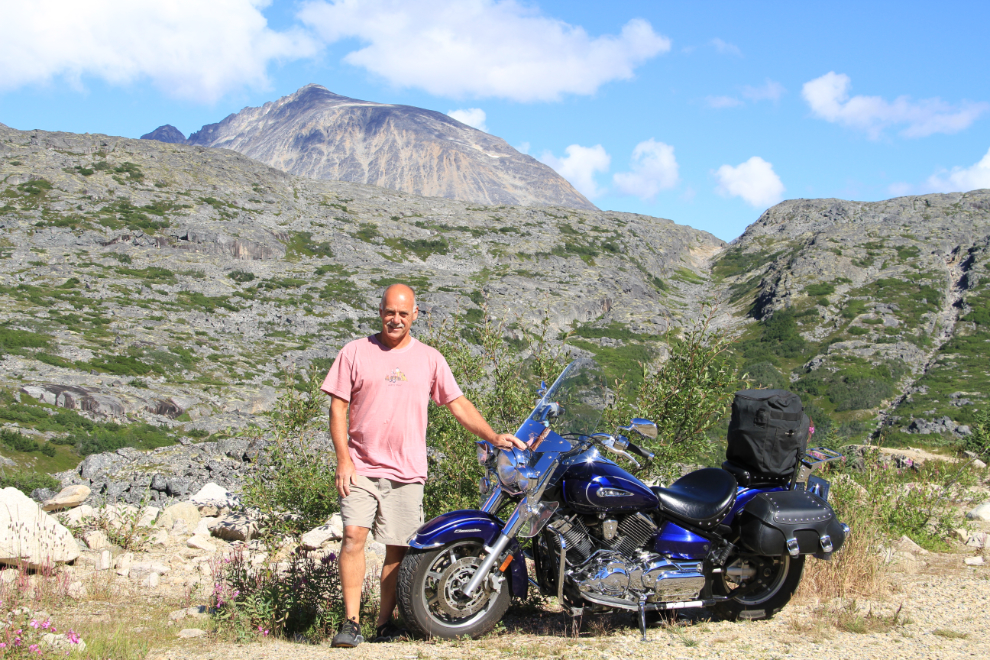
column 616, row 570
column 608, row 576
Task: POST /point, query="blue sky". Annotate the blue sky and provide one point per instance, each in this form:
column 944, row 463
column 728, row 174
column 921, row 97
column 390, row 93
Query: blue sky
column 704, row 113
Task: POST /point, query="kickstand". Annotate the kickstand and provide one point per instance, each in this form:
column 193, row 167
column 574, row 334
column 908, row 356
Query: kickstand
column 576, row 614
column 642, row 617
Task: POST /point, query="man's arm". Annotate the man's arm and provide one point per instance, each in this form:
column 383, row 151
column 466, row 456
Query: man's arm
column 338, row 431
column 469, row 417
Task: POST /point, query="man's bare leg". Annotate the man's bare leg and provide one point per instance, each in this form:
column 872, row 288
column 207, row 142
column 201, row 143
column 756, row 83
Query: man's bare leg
column 352, row 570
column 390, row 579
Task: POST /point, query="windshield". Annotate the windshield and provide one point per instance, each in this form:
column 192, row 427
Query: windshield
column 575, row 401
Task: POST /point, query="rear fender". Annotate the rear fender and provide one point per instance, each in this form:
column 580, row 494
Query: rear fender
column 470, row 524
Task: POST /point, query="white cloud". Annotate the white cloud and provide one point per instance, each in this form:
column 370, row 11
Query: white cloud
column 962, row 179
column 481, row 48
column 725, row 48
column 523, row 148
column 722, row 102
column 754, row 181
column 828, row 98
column 187, row 48
column 579, row 167
column 654, row 168
column 474, row 117
column 768, row 91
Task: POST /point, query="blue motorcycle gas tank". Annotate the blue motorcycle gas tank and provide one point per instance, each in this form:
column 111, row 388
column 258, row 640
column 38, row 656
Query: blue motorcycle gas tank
column 599, row 486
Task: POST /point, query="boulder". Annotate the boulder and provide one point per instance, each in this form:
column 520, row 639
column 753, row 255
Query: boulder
column 184, row 511
column 29, row 535
column 235, row 527
column 79, row 514
column 198, row 542
column 981, row 512
column 189, row 633
column 973, row 561
column 315, row 538
column 905, row 544
column 68, row 498
column 213, row 495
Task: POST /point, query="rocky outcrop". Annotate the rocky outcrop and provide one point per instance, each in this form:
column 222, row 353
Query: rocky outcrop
column 167, row 133
column 318, row 134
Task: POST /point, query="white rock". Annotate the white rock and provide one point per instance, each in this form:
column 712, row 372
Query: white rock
column 29, row 535
column 337, row 524
column 201, row 543
column 67, row 498
column 978, row 540
column 152, row 581
column 177, row 615
column 143, row 568
column 148, row 516
column 104, row 561
column 198, row 611
column 980, row 465
column 96, row 540
column 213, row 495
column 905, row 544
column 235, row 527
column 189, row 633
column 315, row 538
column 187, row 512
column 376, row 548
column 76, row 590
column 981, row 512
column 60, row 642
column 974, row 561
column 205, row 526
column 79, row 514
column 961, row 534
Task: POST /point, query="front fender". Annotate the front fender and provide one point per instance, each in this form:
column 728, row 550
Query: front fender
column 471, row 524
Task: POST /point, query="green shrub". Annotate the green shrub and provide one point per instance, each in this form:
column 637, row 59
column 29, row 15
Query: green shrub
column 27, row 481
column 979, row 440
column 687, row 395
column 857, row 331
column 763, row 374
column 14, row 340
column 822, row 289
column 241, row 276
column 853, row 309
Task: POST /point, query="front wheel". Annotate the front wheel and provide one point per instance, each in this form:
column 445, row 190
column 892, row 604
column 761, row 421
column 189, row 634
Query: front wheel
column 778, row 579
column 430, row 597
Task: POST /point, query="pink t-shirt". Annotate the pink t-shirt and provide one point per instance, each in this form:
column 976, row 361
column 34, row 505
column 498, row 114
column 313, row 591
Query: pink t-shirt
column 389, row 391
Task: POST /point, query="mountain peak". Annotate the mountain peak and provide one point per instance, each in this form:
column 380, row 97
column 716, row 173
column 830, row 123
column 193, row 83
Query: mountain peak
column 316, row 133
column 166, row 133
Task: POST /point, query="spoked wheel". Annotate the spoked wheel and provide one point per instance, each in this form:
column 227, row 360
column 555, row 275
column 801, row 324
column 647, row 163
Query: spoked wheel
column 430, row 593
column 778, row 579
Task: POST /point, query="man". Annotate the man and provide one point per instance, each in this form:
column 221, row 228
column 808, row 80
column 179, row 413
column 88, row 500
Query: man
column 383, row 384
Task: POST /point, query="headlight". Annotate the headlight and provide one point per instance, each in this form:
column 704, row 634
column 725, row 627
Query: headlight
column 512, row 467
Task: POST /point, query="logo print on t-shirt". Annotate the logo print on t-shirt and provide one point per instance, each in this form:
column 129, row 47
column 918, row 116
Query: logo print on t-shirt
column 395, row 376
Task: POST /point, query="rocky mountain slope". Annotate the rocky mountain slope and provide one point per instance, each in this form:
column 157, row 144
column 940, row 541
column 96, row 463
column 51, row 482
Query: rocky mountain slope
column 871, row 308
column 154, row 293
column 321, row 135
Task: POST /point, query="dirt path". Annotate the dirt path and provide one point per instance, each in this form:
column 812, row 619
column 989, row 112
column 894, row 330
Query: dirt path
column 944, row 614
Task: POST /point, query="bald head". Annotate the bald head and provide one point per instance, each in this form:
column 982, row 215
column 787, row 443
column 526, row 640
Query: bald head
column 395, row 292
column 398, row 311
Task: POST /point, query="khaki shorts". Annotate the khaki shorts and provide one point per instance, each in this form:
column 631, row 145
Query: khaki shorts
column 391, row 509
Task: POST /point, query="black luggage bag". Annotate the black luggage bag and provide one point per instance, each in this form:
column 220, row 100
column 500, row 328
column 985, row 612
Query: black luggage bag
column 768, row 433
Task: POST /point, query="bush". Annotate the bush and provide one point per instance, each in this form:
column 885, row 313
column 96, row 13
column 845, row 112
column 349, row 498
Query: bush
column 294, row 477
column 27, row 481
column 822, row 289
column 303, row 599
column 241, row 276
column 686, row 395
column 978, row 441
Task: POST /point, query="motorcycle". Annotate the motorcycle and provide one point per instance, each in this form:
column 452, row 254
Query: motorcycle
column 723, row 539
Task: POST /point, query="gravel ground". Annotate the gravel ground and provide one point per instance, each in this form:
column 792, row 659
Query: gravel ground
column 945, row 614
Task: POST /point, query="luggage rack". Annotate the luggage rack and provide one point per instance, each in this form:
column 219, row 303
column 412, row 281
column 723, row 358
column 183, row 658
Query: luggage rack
column 811, row 461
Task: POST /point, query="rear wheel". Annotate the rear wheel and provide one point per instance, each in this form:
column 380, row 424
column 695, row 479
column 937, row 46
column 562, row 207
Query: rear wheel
column 778, row 579
column 430, row 596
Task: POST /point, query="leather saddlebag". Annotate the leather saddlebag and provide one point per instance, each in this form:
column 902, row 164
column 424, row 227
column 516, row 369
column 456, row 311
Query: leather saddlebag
column 793, row 522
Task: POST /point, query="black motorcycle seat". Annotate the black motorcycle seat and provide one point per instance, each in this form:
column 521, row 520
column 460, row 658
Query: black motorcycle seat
column 702, row 497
